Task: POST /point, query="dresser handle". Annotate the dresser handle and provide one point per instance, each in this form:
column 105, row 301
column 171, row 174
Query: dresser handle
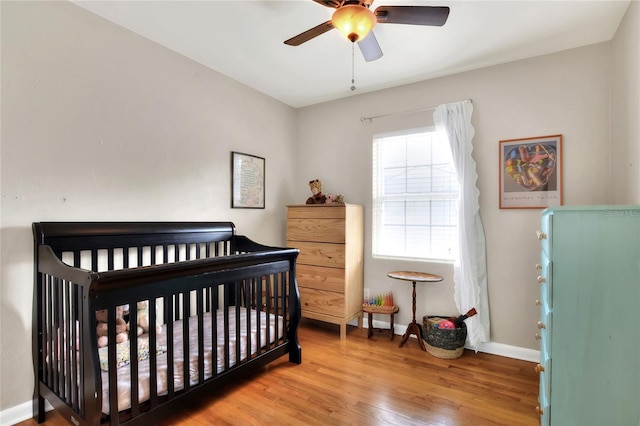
column 539, row 410
column 538, row 302
column 538, row 267
column 541, row 325
column 541, row 279
column 541, row 235
column 538, row 337
column 539, row 368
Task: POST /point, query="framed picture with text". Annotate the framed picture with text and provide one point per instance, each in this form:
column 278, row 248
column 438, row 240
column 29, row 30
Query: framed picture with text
column 530, row 172
column 247, row 181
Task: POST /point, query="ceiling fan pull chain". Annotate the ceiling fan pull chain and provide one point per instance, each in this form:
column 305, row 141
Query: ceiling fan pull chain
column 353, row 78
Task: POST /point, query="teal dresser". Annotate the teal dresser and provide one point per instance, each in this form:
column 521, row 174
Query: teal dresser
column 589, row 327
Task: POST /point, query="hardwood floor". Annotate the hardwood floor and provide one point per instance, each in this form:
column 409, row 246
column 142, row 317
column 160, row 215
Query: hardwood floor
column 360, row 381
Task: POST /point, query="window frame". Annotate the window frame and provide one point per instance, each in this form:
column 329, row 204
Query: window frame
column 379, row 199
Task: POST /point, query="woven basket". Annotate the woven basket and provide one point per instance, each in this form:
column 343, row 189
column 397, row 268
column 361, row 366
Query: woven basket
column 442, row 342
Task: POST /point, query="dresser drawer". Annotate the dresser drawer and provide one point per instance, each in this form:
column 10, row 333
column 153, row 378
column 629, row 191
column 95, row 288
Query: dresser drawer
column 543, row 405
column 322, row 302
column 545, row 326
column 544, row 235
column 321, row 278
column 316, row 212
column 320, row 254
column 316, row 230
column 545, row 279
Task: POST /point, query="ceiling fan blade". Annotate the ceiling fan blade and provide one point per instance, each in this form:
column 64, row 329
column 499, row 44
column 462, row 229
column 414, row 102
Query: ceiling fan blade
column 309, row 34
column 330, row 3
column 370, row 48
column 413, row 15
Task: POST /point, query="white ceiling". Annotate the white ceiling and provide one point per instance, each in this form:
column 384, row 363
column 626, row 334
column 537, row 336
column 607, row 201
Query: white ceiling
column 244, row 40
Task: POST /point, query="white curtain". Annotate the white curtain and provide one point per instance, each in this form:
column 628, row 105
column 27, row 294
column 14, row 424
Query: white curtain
column 470, row 269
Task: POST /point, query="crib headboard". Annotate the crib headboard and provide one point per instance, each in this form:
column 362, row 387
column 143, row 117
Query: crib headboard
column 73, row 236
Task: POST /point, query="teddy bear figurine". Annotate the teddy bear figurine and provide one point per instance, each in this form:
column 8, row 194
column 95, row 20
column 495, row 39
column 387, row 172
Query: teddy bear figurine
column 316, row 189
column 102, row 327
column 142, row 325
column 334, row 198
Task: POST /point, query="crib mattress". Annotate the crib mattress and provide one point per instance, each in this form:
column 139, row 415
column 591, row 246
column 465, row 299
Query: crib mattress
column 124, row 372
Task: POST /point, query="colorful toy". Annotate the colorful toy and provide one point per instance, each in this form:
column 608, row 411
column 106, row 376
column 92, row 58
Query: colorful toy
column 446, row 324
column 385, row 299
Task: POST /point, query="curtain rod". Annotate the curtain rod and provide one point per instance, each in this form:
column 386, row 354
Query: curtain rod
column 370, row 119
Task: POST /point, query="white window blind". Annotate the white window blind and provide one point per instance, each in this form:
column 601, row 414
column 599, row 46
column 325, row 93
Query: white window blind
column 415, row 192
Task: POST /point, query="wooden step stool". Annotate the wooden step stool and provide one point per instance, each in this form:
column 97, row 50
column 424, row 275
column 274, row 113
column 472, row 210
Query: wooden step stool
column 374, row 309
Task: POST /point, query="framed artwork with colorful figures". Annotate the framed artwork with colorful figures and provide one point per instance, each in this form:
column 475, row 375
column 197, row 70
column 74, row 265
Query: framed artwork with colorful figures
column 531, row 172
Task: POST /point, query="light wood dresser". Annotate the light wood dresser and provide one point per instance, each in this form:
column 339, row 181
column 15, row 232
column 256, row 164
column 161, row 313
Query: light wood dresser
column 330, row 268
column 589, row 326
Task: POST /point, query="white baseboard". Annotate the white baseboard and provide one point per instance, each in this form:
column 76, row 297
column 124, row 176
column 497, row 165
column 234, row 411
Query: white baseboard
column 524, row 354
column 19, row 413
column 493, row 348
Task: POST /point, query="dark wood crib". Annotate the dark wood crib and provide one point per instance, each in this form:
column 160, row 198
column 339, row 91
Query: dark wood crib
column 219, row 305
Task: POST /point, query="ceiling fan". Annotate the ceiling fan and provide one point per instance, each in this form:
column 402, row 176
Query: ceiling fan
column 355, row 21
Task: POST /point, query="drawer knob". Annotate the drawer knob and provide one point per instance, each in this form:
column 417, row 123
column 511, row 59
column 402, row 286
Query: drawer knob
column 538, row 302
column 541, row 235
column 539, row 410
column 538, row 267
column 541, row 279
column 539, row 368
column 541, row 325
column 538, row 337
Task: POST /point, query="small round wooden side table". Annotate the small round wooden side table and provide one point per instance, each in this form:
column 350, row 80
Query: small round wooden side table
column 414, row 277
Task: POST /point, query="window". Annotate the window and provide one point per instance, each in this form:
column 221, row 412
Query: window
column 415, row 192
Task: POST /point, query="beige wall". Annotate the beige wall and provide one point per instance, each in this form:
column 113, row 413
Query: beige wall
column 625, row 110
column 101, row 124
column 566, row 93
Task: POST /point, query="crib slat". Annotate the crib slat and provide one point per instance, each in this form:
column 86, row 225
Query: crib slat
column 260, row 306
column 94, row 260
column 113, row 377
column 200, row 314
column 247, row 304
column 276, row 308
column 214, row 329
column 133, row 357
column 153, row 369
column 69, row 343
column 78, row 361
column 186, row 308
column 237, row 300
column 73, row 355
column 110, row 261
column 48, row 321
column 59, row 362
column 268, row 311
column 125, row 257
column 168, row 310
column 225, row 328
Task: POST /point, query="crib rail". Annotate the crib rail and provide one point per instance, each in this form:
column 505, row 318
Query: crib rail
column 186, row 272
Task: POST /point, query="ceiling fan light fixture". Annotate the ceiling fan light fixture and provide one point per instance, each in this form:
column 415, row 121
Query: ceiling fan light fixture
column 354, row 21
